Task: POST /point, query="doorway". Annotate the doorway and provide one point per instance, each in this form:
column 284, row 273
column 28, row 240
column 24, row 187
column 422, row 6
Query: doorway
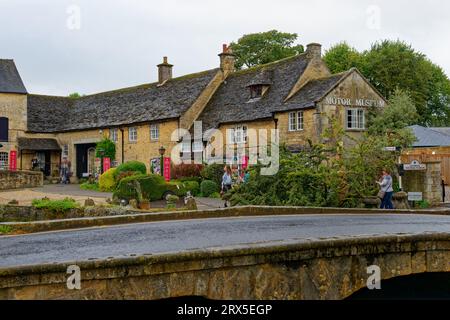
column 85, row 155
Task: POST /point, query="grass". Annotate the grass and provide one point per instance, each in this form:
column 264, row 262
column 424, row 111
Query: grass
column 5, row 229
column 55, row 205
column 89, row 186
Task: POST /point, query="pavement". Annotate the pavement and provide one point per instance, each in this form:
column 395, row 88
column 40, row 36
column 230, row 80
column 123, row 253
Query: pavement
column 176, row 236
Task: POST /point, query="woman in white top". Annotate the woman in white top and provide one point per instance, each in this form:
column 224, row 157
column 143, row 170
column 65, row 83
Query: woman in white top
column 387, row 190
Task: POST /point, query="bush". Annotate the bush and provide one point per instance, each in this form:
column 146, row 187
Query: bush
column 130, row 166
column 192, row 186
column 152, row 186
column 209, row 187
column 185, row 170
column 5, row 229
column 89, row 186
column 213, row 172
column 106, row 182
column 55, row 205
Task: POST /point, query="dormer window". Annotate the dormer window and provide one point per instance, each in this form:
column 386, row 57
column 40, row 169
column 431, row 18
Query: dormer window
column 256, row 91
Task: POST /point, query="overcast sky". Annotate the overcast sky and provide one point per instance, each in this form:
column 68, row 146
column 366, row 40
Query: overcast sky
column 89, row 46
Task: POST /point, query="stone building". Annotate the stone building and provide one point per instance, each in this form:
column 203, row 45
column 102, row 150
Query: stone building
column 297, row 96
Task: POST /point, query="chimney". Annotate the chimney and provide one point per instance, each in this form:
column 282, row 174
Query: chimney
column 227, row 59
column 164, row 71
column 314, row 50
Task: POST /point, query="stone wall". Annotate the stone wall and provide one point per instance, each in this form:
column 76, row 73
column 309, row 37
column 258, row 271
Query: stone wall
column 20, row 179
column 428, row 182
column 316, row 270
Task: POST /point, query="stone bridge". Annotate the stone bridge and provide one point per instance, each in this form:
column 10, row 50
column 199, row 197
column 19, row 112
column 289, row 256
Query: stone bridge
column 322, row 269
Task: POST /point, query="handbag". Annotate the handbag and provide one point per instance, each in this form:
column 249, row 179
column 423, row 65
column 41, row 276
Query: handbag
column 381, row 194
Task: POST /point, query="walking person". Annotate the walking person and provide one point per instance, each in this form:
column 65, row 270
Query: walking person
column 386, row 190
column 227, row 181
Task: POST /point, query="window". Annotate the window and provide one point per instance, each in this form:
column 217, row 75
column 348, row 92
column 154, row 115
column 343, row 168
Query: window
column 4, row 161
column 4, row 127
column 296, row 121
column 65, row 152
column 154, row 132
column 197, row 146
column 132, row 134
column 255, row 91
column 237, row 134
column 356, row 119
column 113, row 135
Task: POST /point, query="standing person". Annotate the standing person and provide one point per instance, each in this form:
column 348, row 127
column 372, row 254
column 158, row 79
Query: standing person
column 64, row 171
column 226, row 182
column 386, row 190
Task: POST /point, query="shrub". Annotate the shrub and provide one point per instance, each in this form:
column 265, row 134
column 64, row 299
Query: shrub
column 192, row 186
column 215, row 195
column 152, row 187
column 213, row 172
column 185, row 170
column 89, row 186
column 106, row 182
column 106, row 149
column 5, row 229
column 55, row 205
column 133, row 166
column 209, row 187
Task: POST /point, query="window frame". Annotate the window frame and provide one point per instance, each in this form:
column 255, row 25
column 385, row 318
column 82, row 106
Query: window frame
column 132, row 134
column 154, row 128
column 356, row 119
column 4, row 160
column 114, row 135
column 296, row 121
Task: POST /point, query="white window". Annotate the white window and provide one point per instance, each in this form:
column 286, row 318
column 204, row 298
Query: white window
column 4, row 161
column 132, row 134
column 186, row 146
column 356, row 119
column 154, row 132
column 197, row 146
column 113, row 135
column 238, row 134
column 65, row 152
column 296, row 121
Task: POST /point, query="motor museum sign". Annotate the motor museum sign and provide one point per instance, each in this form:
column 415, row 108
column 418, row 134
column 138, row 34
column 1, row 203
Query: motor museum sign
column 358, row 102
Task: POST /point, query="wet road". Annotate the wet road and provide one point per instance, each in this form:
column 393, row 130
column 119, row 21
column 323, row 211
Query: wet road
column 175, row 236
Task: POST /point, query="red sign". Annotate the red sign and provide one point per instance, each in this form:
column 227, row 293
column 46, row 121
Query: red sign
column 167, row 169
column 13, row 160
column 106, row 164
column 244, row 162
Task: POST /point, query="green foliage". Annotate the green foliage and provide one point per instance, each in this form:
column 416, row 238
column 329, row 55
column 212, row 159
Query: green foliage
column 208, row 187
column 106, row 181
column 215, row 195
column 424, row 204
column 192, row 186
column 89, row 186
column 106, row 148
column 55, row 205
column 213, row 172
column 260, row 48
column 130, row 166
column 392, row 65
column 341, row 57
column 5, row 229
column 74, row 95
column 152, row 187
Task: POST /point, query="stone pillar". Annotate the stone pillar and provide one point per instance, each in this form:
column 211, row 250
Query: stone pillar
column 428, row 182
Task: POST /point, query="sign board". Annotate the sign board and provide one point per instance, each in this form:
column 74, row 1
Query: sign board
column 245, row 162
column 13, row 160
column 415, row 196
column 155, row 164
column 415, row 166
column 106, row 164
column 167, row 169
column 390, row 149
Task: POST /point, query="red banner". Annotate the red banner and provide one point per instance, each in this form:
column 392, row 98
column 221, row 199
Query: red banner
column 245, row 162
column 167, row 169
column 106, row 164
column 13, row 160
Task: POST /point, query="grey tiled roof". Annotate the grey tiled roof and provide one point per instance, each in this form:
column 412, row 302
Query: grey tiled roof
column 144, row 103
column 38, row 144
column 445, row 130
column 10, row 81
column 427, row 137
column 231, row 103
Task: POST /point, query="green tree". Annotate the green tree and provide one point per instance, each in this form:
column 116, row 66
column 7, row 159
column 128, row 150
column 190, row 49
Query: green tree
column 106, row 148
column 74, row 95
column 391, row 65
column 260, row 48
column 341, row 57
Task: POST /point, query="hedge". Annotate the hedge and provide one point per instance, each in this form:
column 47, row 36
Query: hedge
column 130, row 166
column 208, row 188
column 107, row 182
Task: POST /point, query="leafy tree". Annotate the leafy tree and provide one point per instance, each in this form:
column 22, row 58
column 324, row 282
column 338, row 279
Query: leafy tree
column 260, row 48
column 342, row 57
column 106, row 148
column 392, row 65
column 74, row 95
